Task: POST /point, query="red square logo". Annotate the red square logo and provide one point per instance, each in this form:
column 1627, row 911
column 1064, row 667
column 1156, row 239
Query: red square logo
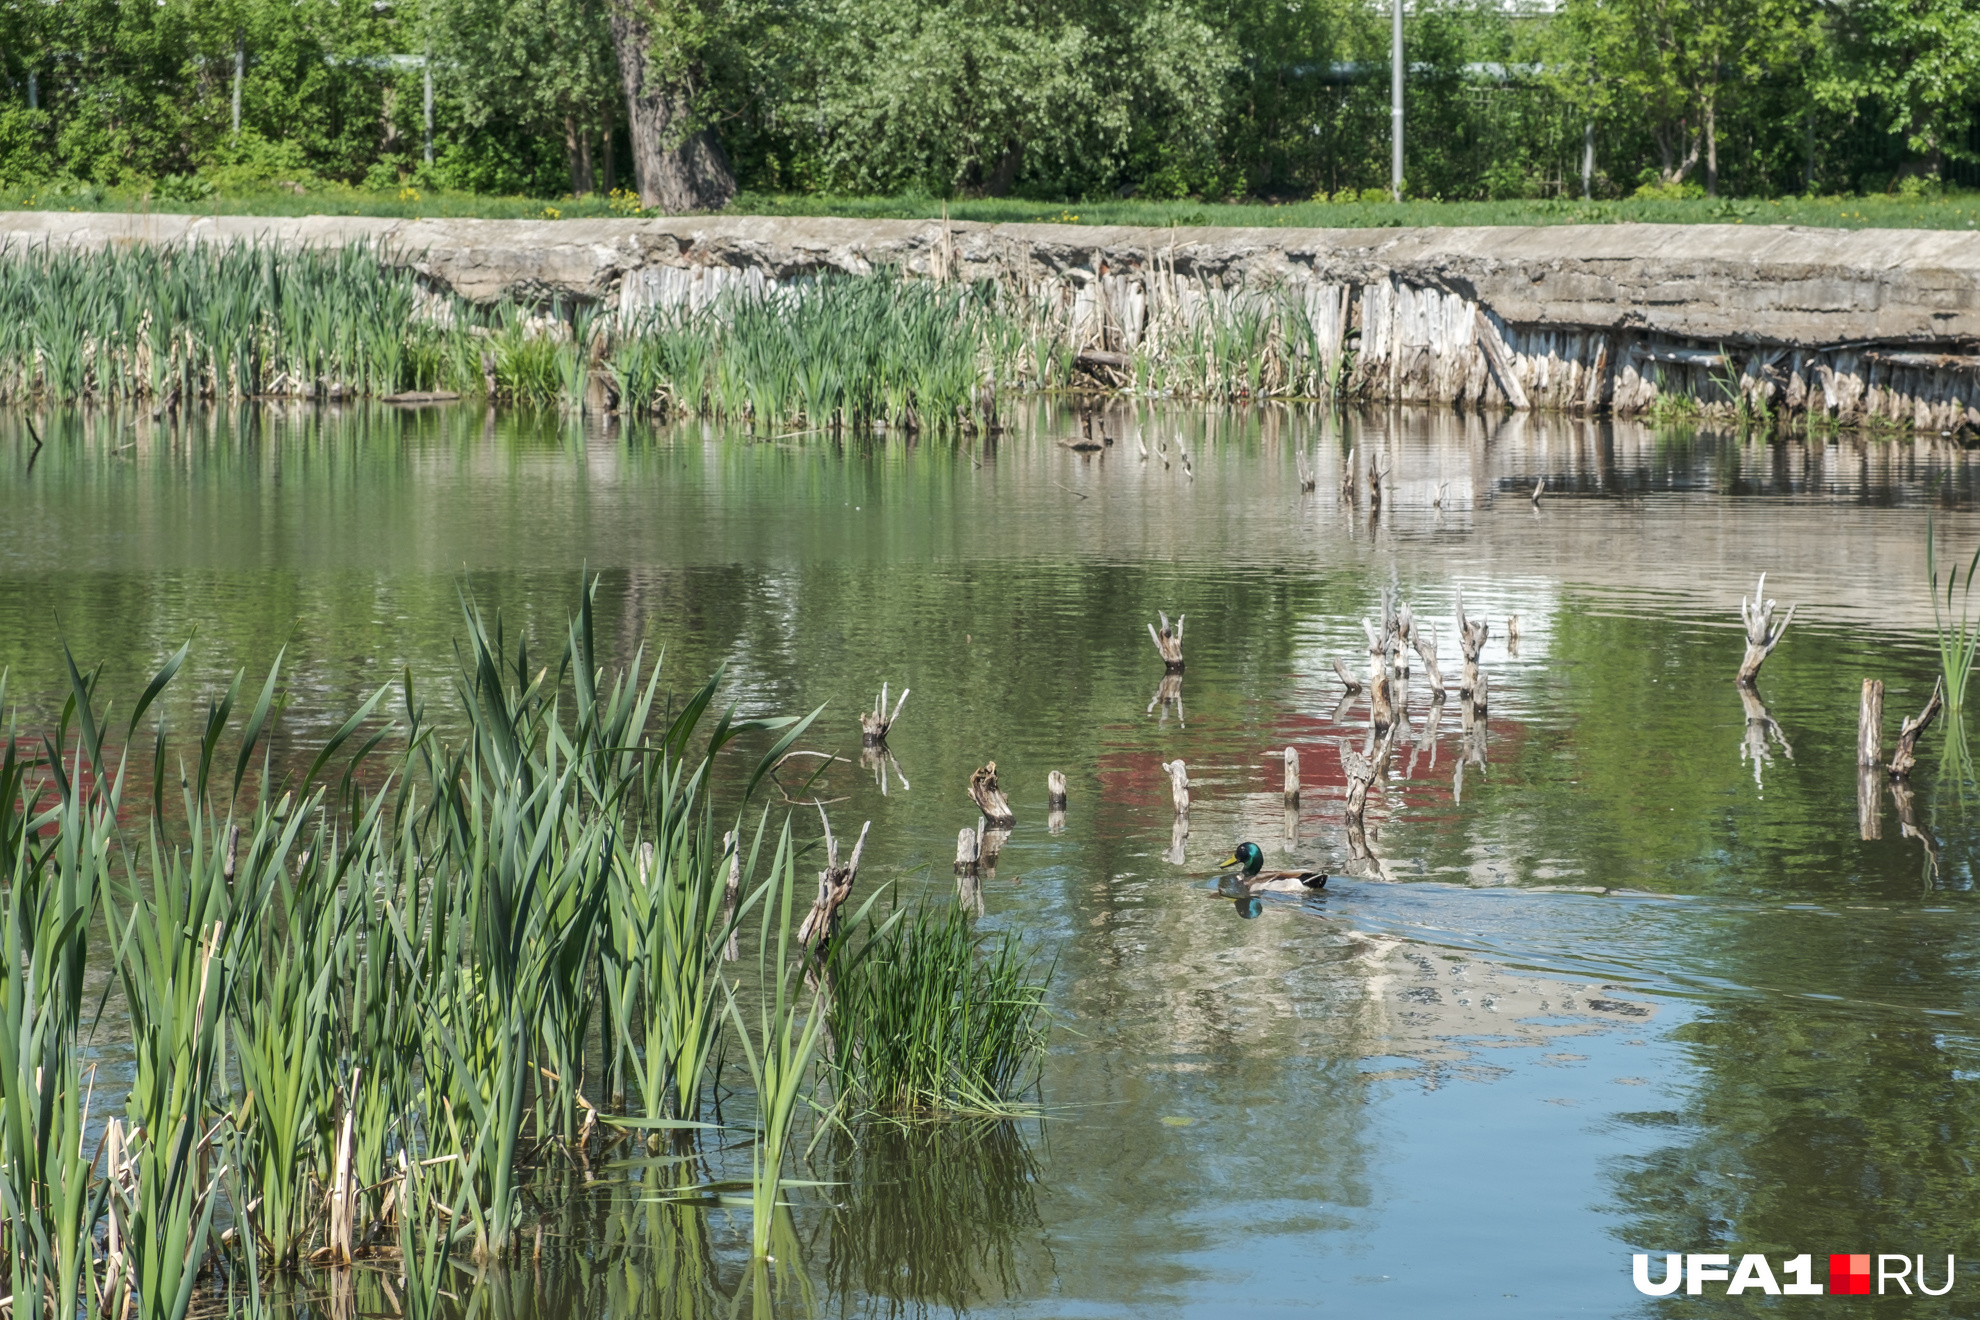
column 1849, row 1274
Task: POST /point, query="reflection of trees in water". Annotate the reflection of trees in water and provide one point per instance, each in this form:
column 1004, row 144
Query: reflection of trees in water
column 931, row 1214
column 1817, row 1131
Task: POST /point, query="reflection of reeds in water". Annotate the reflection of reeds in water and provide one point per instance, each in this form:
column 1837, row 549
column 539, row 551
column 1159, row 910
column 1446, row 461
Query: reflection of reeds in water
column 932, row 1213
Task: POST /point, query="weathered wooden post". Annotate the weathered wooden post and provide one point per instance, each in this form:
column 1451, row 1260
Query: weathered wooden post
column 1178, row 784
column 1913, row 729
column 1349, row 681
column 1055, row 791
column 1292, row 776
column 874, row 724
column 1168, row 642
column 1427, row 652
column 835, row 884
column 1380, row 709
column 1761, row 635
column 990, row 799
column 1870, row 724
column 731, row 893
column 1471, row 640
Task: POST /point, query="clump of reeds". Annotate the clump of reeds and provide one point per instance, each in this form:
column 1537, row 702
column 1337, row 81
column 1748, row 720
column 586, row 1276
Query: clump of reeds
column 1959, row 645
column 364, row 1002
column 928, row 1015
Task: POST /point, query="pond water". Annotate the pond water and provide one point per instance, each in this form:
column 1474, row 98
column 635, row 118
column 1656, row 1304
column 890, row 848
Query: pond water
column 1634, row 983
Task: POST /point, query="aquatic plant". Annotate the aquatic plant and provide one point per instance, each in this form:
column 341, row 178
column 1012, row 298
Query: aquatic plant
column 361, row 1009
column 1958, row 644
column 930, row 1015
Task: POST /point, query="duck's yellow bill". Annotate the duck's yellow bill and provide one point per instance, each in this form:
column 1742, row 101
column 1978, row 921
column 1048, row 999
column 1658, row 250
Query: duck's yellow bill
column 1229, row 861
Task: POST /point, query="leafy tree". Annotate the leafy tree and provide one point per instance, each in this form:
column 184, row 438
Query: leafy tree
column 1920, row 61
column 546, row 65
column 995, row 96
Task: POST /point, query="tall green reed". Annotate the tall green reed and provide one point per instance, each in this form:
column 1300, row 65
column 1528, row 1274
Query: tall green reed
column 1959, row 645
column 929, row 1016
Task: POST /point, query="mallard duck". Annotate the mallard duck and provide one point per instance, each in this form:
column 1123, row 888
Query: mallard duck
column 1253, row 878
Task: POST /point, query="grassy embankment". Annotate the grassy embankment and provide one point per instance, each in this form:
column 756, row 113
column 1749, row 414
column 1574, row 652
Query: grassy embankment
column 1953, row 210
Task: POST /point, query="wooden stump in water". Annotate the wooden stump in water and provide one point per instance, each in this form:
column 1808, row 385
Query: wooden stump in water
column 874, row 724
column 990, row 799
column 1360, row 771
column 1308, row 479
column 1347, row 478
column 1178, row 784
column 1471, row 640
column 1178, row 838
column 1427, row 652
column 1055, row 791
column 1381, row 708
column 1761, row 635
column 835, row 884
column 1292, row 776
column 969, row 843
column 1349, row 681
column 1870, row 725
column 731, row 892
column 1168, row 642
column 1913, row 729
column 1481, row 699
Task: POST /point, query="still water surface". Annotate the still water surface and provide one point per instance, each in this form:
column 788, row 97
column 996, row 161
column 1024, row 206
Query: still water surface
column 1634, row 984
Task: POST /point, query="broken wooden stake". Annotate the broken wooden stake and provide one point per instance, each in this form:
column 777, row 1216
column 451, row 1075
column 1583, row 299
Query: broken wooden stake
column 1055, row 791
column 990, row 799
column 1761, row 635
column 1348, row 680
column 1360, row 771
column 1381, row 708
column 1308, row 479
column 1292, row 776
column 1168, row 642
column 1427, row 652
column 1178, row 784
column 1347, row 478
column 835, row 884
column 874, row 724
column 731, row 892
column 969, row 845
column 1471, row 640
column 1870, row 724
column 1914, row 729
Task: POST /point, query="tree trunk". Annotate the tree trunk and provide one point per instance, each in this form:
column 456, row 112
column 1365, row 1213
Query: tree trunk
column 679, row 167
column 577, row 156
column 1711, row 149
column 611, row 165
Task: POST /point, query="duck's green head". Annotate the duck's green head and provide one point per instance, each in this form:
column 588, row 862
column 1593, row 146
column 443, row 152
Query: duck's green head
column 1249, row 857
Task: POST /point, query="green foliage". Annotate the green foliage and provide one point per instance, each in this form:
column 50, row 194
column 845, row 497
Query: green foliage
column 929, row 1015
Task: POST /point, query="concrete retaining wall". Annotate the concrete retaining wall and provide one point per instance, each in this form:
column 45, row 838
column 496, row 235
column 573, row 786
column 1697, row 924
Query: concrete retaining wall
column 1850, row 325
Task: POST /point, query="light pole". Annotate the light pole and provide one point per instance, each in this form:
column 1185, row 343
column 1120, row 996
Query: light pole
column 1396, row 104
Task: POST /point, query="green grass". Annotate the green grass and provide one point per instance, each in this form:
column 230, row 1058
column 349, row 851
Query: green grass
column 1950, row 210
